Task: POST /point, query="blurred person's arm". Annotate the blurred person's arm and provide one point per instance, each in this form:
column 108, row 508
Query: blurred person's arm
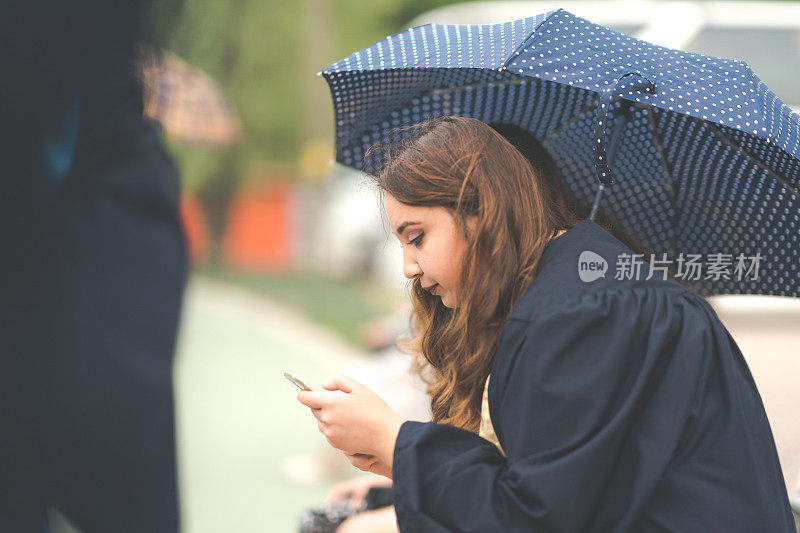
column 356, row 489
column 377, row 521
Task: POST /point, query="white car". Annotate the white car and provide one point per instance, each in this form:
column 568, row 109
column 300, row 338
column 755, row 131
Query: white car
column 766, row 35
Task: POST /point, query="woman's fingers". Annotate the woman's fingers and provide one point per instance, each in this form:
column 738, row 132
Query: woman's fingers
column 357, row 420
column 343, row 383
column 314, row 399
column 382, row 469
column 330, row 385
column 362, row 461
column 362, row 455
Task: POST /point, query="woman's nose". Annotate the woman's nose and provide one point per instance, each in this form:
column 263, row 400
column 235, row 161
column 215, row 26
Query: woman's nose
column 411, row 268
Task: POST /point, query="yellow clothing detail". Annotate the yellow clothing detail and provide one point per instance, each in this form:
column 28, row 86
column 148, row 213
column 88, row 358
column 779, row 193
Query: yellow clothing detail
column 487, row 429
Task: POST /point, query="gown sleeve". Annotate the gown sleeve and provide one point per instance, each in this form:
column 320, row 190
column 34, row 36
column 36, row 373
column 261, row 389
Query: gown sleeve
column 568, row 385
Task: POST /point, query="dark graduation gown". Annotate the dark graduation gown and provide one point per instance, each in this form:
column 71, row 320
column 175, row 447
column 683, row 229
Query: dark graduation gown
column 622, row 405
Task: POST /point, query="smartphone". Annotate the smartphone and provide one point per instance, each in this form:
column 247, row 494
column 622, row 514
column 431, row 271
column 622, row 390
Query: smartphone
column 298, row 380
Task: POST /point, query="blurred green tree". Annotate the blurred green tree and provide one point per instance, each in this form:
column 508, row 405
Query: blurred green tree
column 265, row 54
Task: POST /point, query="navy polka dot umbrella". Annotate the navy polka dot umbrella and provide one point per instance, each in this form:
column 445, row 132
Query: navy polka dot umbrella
column 697, row 157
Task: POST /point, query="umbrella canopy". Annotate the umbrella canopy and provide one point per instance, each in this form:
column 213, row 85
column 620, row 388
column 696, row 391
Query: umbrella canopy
column 186, row 101
column 704, row 158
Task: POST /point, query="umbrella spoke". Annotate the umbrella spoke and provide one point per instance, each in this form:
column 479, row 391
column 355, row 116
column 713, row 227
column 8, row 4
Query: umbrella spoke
column 757, row 162
column 672, row 186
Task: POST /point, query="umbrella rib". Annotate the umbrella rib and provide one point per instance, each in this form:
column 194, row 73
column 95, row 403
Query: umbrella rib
column 563, row 126
column 671, row 184
column 726, row 140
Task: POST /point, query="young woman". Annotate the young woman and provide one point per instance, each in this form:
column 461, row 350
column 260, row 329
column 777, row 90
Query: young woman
column 564, row 398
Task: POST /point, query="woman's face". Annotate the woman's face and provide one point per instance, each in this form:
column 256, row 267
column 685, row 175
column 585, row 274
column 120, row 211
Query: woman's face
column 433, row 246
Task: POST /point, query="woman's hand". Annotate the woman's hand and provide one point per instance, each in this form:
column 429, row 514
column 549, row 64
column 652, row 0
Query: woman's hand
column 369, row 463
column 357, row 421
column 356, row 490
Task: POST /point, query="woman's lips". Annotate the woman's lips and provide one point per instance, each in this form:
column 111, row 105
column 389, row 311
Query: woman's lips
column 432, row 288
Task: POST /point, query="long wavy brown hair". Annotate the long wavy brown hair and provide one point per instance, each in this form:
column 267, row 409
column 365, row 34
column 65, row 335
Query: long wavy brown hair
column 474, row 170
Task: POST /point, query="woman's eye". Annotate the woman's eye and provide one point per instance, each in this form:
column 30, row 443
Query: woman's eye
column 416, row 240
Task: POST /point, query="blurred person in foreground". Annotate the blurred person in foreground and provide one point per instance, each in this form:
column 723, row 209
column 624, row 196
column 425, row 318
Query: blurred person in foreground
column 559, row 404
column 92, row 276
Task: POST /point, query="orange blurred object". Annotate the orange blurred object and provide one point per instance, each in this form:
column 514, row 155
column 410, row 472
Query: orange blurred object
column 258, row 235
column 195, row 227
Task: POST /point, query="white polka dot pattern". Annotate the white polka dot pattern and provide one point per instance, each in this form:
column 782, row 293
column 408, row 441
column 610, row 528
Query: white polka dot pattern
column 443, row 46
column 708, row 160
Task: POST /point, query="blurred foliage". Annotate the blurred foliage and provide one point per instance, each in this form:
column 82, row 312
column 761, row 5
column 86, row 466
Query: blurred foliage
column 249, row 47
column 358, row 24
column 258, row 51
column 344, row 306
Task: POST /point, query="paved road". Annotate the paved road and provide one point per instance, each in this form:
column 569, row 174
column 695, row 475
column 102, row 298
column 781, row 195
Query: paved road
column 238, row 419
